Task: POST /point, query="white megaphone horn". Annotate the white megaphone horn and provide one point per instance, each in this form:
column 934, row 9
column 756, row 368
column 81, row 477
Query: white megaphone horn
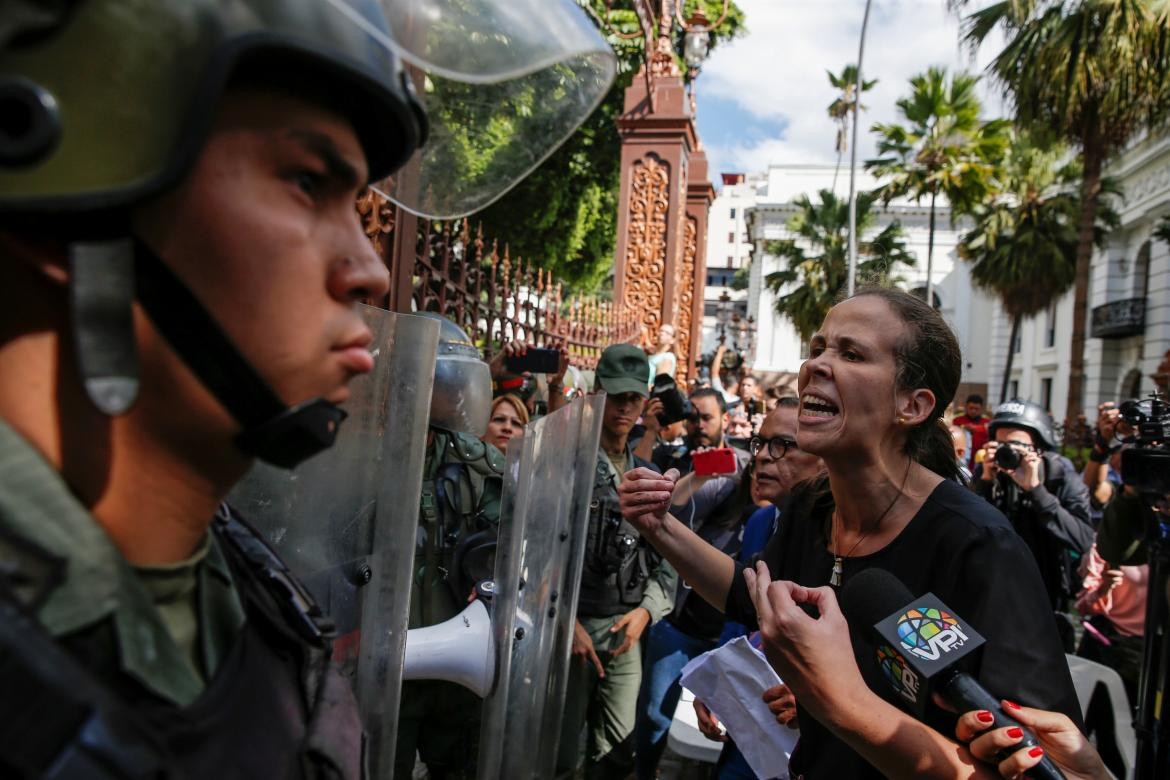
column 460, row 650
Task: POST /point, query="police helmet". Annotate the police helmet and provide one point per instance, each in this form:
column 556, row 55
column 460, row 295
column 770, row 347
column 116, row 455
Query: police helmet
column 115, row 97
column 1031, row 417
column 106, row 103
column 461, row 401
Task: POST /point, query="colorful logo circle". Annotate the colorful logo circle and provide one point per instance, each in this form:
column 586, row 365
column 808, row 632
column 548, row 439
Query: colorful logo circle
column 895, row 668
column 918, row 626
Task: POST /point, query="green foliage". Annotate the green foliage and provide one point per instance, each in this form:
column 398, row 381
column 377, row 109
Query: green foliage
column 1023, row 245
column 945, row 149
column 1093, row 73
column 842, row 106
column 1163, row 231
column 817, row 259
column 563, row 216
column 742, row 278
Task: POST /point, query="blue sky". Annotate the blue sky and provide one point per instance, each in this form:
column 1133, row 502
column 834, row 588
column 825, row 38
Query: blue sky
column 762, row 98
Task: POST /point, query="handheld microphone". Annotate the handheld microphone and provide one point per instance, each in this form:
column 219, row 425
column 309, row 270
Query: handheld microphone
column 920, row 643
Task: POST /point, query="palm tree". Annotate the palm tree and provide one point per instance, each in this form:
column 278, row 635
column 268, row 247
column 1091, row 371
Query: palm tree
column 1023, row 245
column 842, row 107
column 817, row 259
column 946, row 150
column 1093, row 73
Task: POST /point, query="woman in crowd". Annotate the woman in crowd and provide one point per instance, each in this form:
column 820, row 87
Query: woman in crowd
column 508, row 418
column 880, row 373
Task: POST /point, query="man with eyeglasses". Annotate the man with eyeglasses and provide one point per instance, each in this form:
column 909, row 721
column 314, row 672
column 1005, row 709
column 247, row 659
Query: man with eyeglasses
column 718, row 511
column 1040, row 492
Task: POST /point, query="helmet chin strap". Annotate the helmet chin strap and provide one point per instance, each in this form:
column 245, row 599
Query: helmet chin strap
column 103, row 325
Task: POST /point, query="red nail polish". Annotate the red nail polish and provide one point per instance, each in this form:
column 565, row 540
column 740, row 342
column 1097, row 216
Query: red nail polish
column 1015, row 732
column 1036, row 752
column 1011, row 704
column 985, row 717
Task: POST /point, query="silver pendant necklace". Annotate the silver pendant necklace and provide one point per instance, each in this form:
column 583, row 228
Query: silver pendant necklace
column 839, row 560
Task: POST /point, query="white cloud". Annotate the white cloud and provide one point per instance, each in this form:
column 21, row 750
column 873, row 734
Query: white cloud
column 777, row 72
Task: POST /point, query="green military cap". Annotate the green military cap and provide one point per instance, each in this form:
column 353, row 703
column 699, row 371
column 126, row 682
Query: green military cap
column 623, row 368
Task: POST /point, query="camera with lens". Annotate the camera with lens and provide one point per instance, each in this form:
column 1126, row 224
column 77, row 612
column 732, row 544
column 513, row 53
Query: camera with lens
column 1145, row 465
column 675, row 405
column 1008, row 457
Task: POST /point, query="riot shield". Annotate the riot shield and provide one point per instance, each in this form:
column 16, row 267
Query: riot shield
column 544, row 515
column 345, row 521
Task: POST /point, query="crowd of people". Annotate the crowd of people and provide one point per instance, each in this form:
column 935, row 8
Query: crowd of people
column 983, row 511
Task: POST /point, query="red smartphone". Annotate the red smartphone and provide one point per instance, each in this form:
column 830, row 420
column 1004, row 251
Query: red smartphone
column 717, row 461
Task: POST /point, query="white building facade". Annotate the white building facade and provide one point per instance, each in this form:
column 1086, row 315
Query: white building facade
column 1128, row 319
column 728, row 251
column 779, row 350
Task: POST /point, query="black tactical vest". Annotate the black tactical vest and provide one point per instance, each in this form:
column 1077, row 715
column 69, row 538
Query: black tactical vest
column 618, row 561
column 275, row 707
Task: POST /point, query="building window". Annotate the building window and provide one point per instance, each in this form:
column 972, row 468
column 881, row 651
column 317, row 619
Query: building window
column 1014, row 388
column 1018, row 342
column 731, row 237
column 733, row 213
column 1046, row 392
column 719, row 277
column 1049, row 327
column 730, row 261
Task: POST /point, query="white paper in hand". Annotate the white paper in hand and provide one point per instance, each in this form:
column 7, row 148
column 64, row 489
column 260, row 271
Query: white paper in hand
column 730, row 681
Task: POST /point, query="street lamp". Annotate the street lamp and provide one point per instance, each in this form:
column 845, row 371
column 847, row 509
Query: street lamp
column 723, row 315
column 697, row 41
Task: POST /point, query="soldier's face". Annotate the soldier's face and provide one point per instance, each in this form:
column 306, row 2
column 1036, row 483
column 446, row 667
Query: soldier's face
column 264, row 232
column 621, row 412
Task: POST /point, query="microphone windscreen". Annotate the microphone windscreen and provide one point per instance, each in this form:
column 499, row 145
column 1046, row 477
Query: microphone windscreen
column 871, row 596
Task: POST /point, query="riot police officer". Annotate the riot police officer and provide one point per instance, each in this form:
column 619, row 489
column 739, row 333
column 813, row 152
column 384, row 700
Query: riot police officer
column 180, row 262
column 625, row 586
column 459, row 514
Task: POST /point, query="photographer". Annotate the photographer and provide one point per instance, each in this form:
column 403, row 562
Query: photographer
column 1040, row 492
column 1102, row 472
column 1133, row 532
column 705, row 429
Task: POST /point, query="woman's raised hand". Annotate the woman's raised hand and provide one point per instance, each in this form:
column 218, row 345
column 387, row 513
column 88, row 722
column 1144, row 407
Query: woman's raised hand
column 813, row 656
column 645, row 498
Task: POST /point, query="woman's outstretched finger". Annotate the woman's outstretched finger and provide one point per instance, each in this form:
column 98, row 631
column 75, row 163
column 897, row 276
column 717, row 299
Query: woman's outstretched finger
column 633, row 486
column 645, row 498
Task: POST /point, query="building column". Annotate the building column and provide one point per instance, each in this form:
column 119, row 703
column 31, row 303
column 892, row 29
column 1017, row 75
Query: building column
column 654, row 274
column 693, row 269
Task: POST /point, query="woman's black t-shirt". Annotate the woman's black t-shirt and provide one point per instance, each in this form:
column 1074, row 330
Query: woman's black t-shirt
column 965, row 552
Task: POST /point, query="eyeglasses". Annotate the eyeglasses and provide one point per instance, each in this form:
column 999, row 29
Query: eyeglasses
column 778, row 446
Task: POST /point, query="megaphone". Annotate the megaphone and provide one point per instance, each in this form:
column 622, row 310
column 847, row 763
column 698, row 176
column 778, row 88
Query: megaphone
column 460, row 650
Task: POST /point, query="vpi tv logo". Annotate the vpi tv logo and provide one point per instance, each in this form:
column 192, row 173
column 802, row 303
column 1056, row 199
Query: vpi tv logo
column 928, row 632
column 899, row 673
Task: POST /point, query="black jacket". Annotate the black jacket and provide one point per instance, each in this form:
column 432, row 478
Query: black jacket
column 1052, row 519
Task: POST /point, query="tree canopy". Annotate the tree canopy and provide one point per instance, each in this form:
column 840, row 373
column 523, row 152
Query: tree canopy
column 817, row 259
column 945, row 148
column 1093, row 73
column 1023, row 245
column 563, row 216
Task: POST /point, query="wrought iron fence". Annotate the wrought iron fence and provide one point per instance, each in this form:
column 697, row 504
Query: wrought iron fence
column 446, row 267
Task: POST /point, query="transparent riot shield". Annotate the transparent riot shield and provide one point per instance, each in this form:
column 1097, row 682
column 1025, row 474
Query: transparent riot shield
column 345, row 521
column 544, row 514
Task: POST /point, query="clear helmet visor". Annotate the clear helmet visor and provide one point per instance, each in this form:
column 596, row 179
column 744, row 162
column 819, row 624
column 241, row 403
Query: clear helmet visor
column 461, row 401
column 504, row 83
